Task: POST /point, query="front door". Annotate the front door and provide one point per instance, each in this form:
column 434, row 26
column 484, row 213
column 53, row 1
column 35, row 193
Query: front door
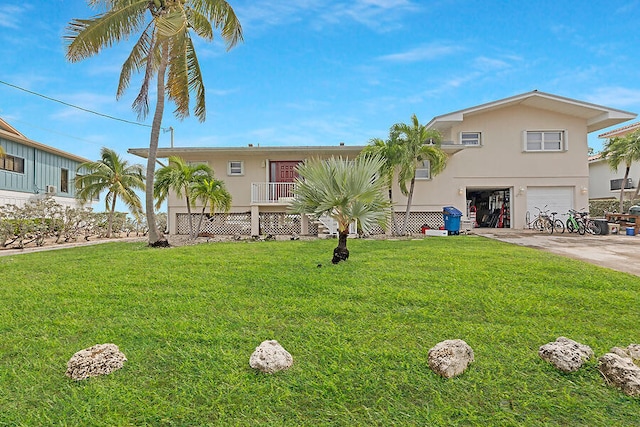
column 282, row 172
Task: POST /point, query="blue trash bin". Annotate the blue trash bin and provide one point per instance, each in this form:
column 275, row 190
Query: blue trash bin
column 451, row 217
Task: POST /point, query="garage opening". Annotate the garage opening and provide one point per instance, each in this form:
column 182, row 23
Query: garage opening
column 492, row 207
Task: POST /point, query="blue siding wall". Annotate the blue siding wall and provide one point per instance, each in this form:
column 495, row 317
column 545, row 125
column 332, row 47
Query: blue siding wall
column 41, row 168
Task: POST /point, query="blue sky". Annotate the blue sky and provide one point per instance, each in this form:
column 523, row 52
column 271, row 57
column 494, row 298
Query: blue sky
column 318, row 72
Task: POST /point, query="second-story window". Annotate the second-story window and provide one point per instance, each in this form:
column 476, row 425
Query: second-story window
column 470, row 138
column 235, row 167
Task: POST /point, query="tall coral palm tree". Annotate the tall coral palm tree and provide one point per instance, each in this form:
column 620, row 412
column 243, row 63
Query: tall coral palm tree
column 164, row 50
column 345, row 190
column 417, row 144
column 213, row 194
column 623, row 150
column 179, row 176
column 115, row 176
column 390, row 151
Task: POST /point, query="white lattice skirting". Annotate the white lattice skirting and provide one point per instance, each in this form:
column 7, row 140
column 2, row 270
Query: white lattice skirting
column 282, row 223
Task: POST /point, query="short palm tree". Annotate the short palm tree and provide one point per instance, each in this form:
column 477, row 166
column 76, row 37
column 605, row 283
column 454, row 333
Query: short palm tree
column 115, row 176
column 164, row 50
column 623, row 150
column 213, row 194
column 347, row 191
column 389, row 150
column 417, row 145
column 179, row 176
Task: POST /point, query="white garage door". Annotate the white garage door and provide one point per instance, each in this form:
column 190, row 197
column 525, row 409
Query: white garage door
column 557, row 199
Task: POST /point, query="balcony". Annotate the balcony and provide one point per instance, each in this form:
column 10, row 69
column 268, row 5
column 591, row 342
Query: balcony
column 271, row 193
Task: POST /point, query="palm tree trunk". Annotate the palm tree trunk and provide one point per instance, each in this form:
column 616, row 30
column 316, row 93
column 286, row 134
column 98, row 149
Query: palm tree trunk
column 110, row 220
column 624, row 181
column 394, row 223
column 191, row 230
column 156, row 237
column 200, row 220
column 341, row 253
column 408, row 210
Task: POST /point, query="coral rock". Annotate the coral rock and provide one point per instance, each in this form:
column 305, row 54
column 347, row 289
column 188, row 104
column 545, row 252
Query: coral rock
column 450, row 358
column 101, row 359
column 565, row 354
column 270, row 357
column 620, row 372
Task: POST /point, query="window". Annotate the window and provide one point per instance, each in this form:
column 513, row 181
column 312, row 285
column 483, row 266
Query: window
column 235, row 168
column 424, row 171
column 545, row 141
column 64, row 180
column 470, row 138
column 12, row 164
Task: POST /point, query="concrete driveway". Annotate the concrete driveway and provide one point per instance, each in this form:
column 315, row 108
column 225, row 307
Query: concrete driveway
column 615, row 251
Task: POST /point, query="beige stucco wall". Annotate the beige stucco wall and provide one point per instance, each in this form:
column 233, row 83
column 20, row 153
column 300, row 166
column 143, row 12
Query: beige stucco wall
column 256, row 170
column 501, row 162
column 600, row 175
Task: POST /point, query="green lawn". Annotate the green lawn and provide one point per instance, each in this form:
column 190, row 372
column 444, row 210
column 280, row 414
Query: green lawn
column 188, row 319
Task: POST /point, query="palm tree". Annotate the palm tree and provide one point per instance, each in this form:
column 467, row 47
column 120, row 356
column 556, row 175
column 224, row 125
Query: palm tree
column 179, row 176
column 389, row 150
column 417, row 144
column 117, row 177
column 623, row 149
column 164, row 50
column 347, row 191
column 213, row 193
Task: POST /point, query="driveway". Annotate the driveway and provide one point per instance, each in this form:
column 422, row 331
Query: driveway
column 615, row 251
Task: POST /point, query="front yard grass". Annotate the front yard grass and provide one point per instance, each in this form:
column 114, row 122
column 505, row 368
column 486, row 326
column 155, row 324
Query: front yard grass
column 188, row 319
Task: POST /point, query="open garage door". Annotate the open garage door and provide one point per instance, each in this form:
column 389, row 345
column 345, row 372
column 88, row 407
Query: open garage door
column 557, row 199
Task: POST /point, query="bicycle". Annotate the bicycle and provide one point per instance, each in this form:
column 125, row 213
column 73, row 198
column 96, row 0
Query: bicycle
column 557, row 225
column 575, row 224
column 590, row 226
column 547, row 222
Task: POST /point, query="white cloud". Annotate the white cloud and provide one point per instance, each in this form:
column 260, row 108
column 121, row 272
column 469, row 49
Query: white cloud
column 615, row 96
column 11, row 16
column 379, row 15
column 423, row 53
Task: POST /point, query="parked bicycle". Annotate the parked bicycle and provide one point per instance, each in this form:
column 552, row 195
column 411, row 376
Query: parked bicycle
column 548, row 222
column 575, row 224
column 590, row 226
column 557, row 225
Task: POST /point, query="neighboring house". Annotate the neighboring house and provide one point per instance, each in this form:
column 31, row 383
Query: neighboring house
column 31, row 169
column 605, row 183
column 505, row 159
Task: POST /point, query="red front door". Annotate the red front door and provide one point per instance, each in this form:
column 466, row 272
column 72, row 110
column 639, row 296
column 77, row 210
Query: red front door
column 282, row 172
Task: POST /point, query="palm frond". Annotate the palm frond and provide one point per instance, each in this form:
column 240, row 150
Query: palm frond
column 136, row 59
column 87, row 37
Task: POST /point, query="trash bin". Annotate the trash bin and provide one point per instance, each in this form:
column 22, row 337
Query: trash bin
column 451, row 218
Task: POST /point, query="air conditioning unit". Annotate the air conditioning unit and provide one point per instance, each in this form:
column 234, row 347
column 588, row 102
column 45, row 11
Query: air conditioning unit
column 51, row 189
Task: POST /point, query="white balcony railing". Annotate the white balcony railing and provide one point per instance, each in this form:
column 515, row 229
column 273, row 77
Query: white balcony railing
column 272, row 192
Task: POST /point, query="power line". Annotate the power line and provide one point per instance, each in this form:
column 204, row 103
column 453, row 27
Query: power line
column 75, row 106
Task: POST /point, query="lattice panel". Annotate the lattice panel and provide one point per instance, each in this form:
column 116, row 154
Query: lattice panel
column 224, row 224
column 418, row 219
column 278, row 223
column 312, row 228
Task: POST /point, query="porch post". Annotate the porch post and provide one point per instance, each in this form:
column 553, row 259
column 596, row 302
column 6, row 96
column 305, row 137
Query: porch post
column 304, row 224
column 255, row 220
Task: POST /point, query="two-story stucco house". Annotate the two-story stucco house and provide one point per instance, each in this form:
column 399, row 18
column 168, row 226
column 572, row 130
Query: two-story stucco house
column 31, row 169
column 605, row 183
column 506, row 158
